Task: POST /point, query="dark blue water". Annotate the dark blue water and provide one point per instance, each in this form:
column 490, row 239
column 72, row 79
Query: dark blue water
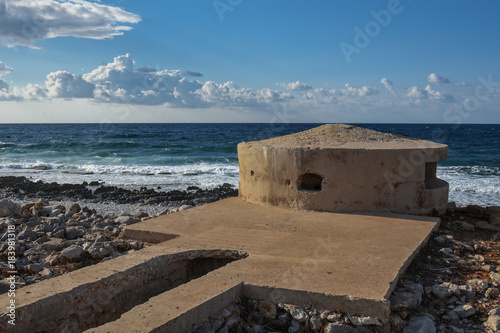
column 122, row 154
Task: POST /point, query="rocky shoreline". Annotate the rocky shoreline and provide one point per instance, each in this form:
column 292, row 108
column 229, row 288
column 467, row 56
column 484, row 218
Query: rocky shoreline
column 452, row 286
column 110, row 199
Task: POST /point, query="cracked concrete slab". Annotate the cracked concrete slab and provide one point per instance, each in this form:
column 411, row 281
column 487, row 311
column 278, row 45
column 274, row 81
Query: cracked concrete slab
column 349, row 262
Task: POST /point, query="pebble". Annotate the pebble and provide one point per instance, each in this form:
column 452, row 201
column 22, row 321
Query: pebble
column 299, row 315
column 465, row 311
column 492, row 293
column 478, row 284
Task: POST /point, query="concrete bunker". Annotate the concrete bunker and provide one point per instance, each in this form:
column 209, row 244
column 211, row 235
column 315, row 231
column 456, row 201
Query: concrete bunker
column 367, row 171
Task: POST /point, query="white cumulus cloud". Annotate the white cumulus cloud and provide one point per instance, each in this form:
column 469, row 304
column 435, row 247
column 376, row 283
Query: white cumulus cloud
column 434, row 94
column 119, row 82
column 4, row 85
column 23, row 22
column 417, row 95
column 434, row 78
column 62, row 84
column 353, row 91
column 4, row 69
column 33, row 92
column 295, row 86
column 388, row 85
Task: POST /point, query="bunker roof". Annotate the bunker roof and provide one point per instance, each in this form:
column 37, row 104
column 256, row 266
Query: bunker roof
column 337, row 136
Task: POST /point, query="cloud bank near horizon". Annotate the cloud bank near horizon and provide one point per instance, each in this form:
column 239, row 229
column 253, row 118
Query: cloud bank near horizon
column 120, row 82
column 23, row 22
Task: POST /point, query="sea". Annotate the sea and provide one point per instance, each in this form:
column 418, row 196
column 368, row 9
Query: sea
column 176, row 156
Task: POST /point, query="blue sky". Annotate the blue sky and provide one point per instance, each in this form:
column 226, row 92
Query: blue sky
column 249, row 61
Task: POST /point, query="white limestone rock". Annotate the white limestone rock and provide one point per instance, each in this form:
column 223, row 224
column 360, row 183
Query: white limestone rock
column 8, row 208
column 299, row 314
column 445, row 290
column 73, row 253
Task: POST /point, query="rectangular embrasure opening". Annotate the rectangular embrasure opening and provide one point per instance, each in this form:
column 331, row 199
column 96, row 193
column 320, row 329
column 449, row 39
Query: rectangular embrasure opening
column 431, row 180
column 430, row 170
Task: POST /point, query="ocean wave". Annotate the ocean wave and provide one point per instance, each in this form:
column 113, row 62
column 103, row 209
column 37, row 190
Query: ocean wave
column 472, row 170
column 7, row 144
column 119, row 144
column 479, row 185
column 203, row 175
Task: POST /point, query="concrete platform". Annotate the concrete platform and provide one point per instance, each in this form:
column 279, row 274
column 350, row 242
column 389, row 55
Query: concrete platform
column 214, row 254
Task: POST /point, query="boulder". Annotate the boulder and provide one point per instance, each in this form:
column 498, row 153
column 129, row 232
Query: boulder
column 141, row 215
column 404, row 301
column 46, row 273
column 41, row 202
column 475, row 211
column 467, row 291
column 75, row 208
column 492, row 293
column 420, row 324
column 494, row 212
column 339, row 328
column 478, row 284
column 35, row 268
column 486, row 226
column 73, row 253
column 315, row 323
column 465, row 311
column 52, row 245
column 8, row 208
column 125, row 220
column 27, row 234
column 299, row 314
column 25, row 210
column 467, row 226
column 445, row 290
column 58, row 232
column 185, row 207
column 495, row 277
column 37, row 211
column 75, row 232
column 493, row 323
column 100, row 250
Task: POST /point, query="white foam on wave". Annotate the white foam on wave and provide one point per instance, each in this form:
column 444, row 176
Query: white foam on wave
column 471, row 189
column 136, row 176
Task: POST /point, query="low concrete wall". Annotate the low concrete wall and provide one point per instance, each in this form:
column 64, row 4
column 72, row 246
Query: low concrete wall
column 93, row 304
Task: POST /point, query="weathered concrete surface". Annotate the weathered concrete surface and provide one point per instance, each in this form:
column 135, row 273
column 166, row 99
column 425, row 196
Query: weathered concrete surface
column 343, row 168
column 326, row 260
